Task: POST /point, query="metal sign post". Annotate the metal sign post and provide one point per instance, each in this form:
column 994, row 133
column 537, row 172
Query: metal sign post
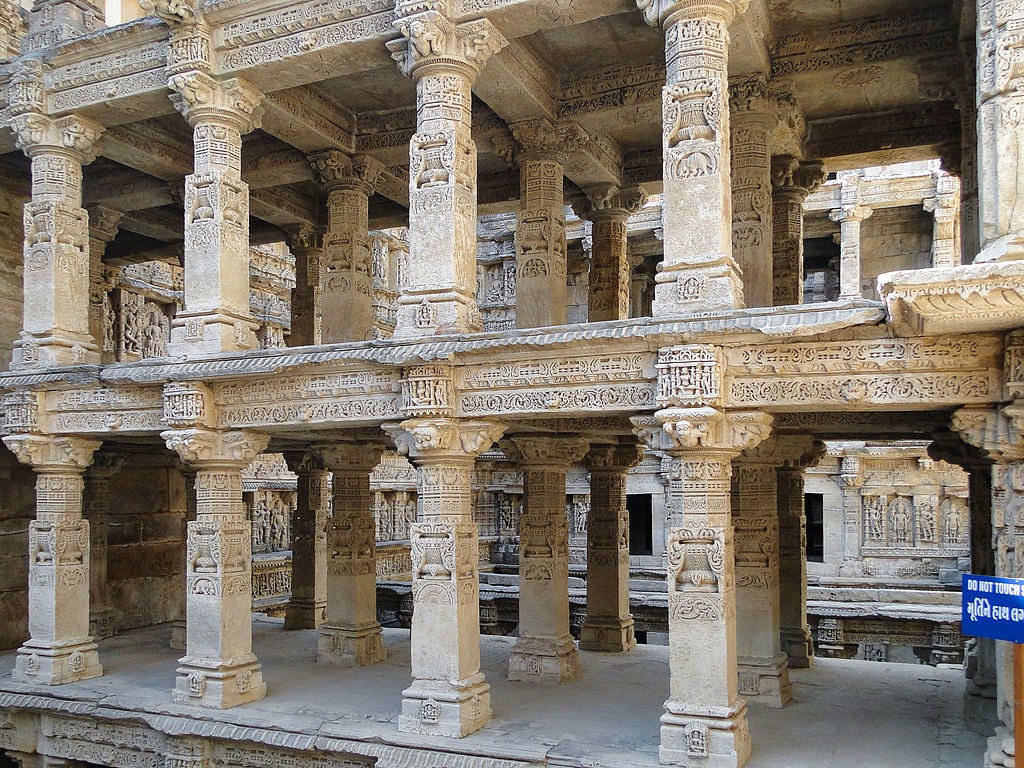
column 994, row 607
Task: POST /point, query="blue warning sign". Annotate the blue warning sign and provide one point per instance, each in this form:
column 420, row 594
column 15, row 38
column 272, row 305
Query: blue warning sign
column 993, row 607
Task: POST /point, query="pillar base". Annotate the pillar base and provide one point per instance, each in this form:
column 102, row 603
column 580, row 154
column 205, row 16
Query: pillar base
column 446, row 708
column 56, row 665
column 798, row 645
column 101, row 621
column 218, row 686
column 304, row 614
column 202, row 334
column 49, row 351
column 435, row 314
column 346, row 647
column 713, row 284
column 179, row 633
column 999, row 751
column 710, row 737
column 607, row 634
column 765, row 681
column 546, row 660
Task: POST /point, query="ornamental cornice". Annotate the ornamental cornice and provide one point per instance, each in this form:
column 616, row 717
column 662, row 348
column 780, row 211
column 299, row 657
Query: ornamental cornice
column 47, row 453
column 201, row 448
column 961, row 299
column 443, row 439
column 200, row 98
column 73, row 135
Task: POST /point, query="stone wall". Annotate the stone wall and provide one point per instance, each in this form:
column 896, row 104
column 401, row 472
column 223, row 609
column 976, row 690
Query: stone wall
column 893, row 239
column 17, row 493
column 10, row 274
column 146, row 551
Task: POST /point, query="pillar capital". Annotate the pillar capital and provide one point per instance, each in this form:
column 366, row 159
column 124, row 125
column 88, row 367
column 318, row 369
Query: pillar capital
column 49, row 454
column 608, row 201
column 304, row 237
column 612, row 457
column 749, row 95
column 432, row 42
column 206, row 448
column 795, row 176
column 998, row 432
column 668, row 12
column 544, row 451
column 443, row 439
column 333, row 169
column 541, row 139
column 702, row 429
column 849, row 213
column 793, row 452
column 200, row 98
column 72, row 136
column 344, row 456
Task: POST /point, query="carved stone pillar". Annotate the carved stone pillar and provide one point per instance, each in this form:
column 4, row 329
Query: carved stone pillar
column 179, row 627
column 59, row 649
column 967, row 170
column 850, row 482
column 541, row 294
column 351, row 635
column 792, row 181
column 347, row 289
column 705, row 720
column 850, row 215
column 1000, row 99
column 609, row 624
column 97, row 509
column 1000, row 434
column 795, row 635
column 216, row 317
column 102, row 231
column 444, row 59
column 306, row 244
column 763, row 670
column 308, row 604
column 52, row 21
column 544, row 651
column 449, row 695
column 698, row 272
column 609, row 209
column 55, row 327
column 752, row 118
column 219, row 669
column 945, row 210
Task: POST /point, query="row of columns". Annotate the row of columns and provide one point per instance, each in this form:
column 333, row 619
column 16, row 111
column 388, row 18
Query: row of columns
column 333, row 299
column 335, row 570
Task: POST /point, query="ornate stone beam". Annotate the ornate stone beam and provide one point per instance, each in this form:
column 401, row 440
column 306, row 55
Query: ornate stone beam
column 518, row 85
column 911, row 133
column 862, row 42
column 304, row 118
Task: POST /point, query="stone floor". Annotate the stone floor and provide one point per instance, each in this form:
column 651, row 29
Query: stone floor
column 845, row 713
